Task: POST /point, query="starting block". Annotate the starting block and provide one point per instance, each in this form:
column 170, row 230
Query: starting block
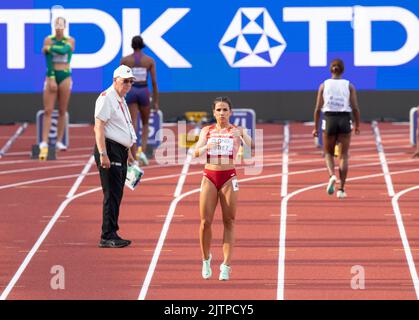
column 51, row 152
column 155, row 124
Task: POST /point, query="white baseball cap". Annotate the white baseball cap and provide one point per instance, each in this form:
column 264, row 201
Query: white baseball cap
column 123, row 72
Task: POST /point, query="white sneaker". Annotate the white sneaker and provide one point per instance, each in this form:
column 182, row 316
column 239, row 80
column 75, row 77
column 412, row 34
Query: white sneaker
column 331, row 185
column 206, row 268
column 43, row 144
column 143, row 158
column 341, row 194
column 225, row 271
column 60, row 146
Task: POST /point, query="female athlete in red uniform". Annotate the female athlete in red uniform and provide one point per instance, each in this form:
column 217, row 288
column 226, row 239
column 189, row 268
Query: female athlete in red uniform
column 220, row 141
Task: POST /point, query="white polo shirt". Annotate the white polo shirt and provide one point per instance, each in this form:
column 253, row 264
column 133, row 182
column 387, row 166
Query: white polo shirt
column 113, row 110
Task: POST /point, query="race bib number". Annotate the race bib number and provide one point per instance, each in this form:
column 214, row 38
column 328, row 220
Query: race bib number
column 235, row 183
column 221, row 146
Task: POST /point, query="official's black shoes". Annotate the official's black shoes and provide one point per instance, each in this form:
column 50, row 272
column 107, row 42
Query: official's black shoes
column 114, row 243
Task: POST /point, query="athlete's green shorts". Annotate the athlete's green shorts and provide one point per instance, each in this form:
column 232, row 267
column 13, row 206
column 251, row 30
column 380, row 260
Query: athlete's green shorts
column 61, row 75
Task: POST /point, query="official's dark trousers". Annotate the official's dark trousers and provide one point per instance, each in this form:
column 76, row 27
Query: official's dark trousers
column 113, row 181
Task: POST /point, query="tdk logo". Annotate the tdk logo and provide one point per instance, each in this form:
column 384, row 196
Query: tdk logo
column 252, row 40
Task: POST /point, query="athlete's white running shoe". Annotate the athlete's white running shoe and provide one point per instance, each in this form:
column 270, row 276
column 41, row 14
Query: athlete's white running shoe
column 61, row 146
column 43, row 144
column 143, row 158
column 331, row 185
column 341, row 194
column 206, row 268
column 225, row 271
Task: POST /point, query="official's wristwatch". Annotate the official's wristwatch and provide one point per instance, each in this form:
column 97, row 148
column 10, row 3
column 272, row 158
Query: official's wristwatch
column 103, row 153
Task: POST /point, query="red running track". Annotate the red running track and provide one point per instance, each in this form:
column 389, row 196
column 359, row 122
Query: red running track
column 302, row 244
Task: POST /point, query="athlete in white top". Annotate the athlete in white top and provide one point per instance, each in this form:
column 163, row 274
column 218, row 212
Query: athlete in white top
column 337, row 98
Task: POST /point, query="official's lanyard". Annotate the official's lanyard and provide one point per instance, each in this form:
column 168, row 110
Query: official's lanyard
column 129, row 123
column 122, row 108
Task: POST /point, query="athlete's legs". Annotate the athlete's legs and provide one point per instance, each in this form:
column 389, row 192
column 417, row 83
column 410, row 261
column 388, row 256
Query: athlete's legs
column 207, row 203
column 228, row 201
column 133, row 110
column 49, row 96
column 345, row 140
column 64, row 92
column 145, row 116
column 329, row 142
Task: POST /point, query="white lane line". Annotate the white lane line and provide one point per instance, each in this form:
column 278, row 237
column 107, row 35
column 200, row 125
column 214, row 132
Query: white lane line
column 403, row 235
column 42, row 237
column 24, row 153
column 27, row 182
column 285, row 149
column 383, row 160
column 80, row 178
column 186, row 166
column 172, row 208
column 184, row 173
column 57, row 215
column 36, row 161
column 284, row 211
column 160, row 243
column 165, row 229
column 76, row 196
column 35, row 181
column 12, row 139
column 41, row 168
column 396, row 208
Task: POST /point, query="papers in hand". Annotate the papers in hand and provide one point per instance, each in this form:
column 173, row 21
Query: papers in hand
column 134, row 174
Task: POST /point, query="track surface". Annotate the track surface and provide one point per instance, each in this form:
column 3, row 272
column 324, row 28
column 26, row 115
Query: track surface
column 293, row 241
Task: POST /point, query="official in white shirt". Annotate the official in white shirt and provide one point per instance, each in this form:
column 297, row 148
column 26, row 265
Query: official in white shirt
column 337, row 99
column 114, row 136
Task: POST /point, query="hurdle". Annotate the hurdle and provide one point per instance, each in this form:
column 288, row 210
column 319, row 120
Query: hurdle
column 155, row 124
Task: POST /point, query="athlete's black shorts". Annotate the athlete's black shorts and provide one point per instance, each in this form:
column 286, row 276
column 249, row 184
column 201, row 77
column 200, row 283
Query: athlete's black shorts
column 337, row 123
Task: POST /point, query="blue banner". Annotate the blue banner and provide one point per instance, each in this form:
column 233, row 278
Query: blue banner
column 218, row 45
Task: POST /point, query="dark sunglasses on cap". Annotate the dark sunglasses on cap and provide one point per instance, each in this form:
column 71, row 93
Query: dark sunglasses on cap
column 130, row 81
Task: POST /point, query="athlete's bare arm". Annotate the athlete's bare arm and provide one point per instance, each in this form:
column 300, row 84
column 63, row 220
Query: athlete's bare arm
column 318, row 108
column 201, row 146
column 47, row 43
column 355, row 109
column 154, row 83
